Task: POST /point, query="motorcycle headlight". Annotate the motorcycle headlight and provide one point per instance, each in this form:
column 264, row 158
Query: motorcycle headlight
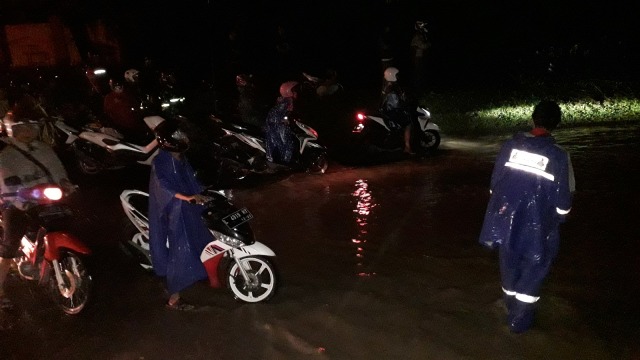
column 228, row 240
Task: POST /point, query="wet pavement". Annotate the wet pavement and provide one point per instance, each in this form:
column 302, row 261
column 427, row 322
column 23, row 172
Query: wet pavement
column 375, row 262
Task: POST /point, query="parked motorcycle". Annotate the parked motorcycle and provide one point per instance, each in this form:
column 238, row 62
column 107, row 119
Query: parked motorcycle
column 384, row 134
column 99, row 148
column 233, row 259
column 50, row 256
column 246, row 144
column 31, row 107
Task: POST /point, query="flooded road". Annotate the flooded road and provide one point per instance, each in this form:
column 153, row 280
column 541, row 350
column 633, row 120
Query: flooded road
column 377, row 262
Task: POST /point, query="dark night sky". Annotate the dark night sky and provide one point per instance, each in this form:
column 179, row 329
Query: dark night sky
column 468, row 37
column 463, row 32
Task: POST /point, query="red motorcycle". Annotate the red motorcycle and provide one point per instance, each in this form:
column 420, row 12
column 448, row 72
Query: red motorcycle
column 48, row 254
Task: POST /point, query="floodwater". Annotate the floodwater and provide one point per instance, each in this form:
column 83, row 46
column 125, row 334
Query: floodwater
column 377, row 262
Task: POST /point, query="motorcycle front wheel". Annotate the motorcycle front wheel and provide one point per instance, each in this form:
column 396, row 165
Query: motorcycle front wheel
column 429, row 140
column 318, row 163
column 261, row 282
column 73, row 293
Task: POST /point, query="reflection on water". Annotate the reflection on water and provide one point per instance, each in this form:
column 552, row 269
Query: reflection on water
column 364, row 205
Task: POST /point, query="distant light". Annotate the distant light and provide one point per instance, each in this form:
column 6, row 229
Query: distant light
column 99, row 71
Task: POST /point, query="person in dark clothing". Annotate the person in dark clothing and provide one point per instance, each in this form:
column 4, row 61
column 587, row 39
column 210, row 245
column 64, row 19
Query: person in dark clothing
column 280, row 138
column 395, row 106
column 121, row 108
column 177, row 234
column 247, row 104
column 419, row 45
column 531, row 194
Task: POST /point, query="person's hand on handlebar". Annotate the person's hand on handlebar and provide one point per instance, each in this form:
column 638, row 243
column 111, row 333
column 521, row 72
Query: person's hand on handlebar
column 194, row 199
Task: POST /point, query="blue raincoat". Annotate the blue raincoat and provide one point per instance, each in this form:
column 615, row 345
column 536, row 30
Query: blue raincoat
column 531, row 194
column 175, row 222
column 280, row 138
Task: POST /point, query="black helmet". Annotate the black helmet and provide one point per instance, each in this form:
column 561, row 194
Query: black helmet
column 171, row 138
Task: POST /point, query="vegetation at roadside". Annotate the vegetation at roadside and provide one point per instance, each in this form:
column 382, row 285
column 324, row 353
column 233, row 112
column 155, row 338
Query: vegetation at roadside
column 508, row 108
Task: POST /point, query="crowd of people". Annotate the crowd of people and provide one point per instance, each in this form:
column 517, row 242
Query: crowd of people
column 532, row 182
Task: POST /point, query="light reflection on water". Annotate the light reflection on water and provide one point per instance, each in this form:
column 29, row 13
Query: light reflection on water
column 364, row 204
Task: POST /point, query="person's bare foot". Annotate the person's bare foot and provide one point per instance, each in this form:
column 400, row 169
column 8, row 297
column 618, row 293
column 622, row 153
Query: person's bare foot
column 176, row 303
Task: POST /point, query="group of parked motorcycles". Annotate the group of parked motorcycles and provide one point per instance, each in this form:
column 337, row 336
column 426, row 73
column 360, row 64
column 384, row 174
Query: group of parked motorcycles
column 234, row 258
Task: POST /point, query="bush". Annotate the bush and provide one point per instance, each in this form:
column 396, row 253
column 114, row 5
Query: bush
column 490, row 111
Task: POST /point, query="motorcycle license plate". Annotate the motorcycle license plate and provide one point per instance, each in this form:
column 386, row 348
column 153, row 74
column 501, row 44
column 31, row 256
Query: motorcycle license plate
column 237, row 218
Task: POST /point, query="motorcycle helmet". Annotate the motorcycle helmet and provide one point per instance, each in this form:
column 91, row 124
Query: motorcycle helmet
column 287, row 89
column 391, row 74
column 171, row 138
column 131, row 75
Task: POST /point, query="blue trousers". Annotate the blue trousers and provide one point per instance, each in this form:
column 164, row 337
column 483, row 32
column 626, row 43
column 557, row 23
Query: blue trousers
column 521, row 279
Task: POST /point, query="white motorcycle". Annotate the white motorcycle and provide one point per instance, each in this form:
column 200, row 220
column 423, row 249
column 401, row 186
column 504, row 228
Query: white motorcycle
column 100, row 148
column 233, row 259
column 385, row 134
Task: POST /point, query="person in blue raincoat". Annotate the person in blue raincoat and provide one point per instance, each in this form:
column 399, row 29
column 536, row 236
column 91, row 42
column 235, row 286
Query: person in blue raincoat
column 280, row 137
column 177, row 235
column 531, row 194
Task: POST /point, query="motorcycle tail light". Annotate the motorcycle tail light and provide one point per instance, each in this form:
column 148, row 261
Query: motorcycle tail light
column 52, row 193
column 360, row 116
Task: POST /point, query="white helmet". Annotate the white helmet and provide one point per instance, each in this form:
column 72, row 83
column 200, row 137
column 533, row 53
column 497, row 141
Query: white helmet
column 131, row 75
column 391, row 74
